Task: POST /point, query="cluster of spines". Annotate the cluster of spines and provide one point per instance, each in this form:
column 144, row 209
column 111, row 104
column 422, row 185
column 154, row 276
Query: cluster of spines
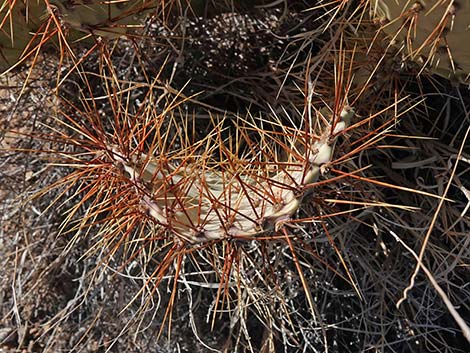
column 26, row 26
column 431, row 33
column 201, row 191
column 200, row 203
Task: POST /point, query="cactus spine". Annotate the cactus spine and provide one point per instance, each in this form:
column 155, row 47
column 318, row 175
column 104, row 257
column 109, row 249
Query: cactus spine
column 199, row 204
column 434, row 33
column 22, row 19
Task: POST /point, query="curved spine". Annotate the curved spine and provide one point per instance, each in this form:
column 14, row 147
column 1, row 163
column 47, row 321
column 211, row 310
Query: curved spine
column 198, row 204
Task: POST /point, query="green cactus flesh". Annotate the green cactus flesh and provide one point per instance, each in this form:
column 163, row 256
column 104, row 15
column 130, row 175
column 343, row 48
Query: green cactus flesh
column 435, row 33
column 102, row 18
column 22, row 18
column 18, row 24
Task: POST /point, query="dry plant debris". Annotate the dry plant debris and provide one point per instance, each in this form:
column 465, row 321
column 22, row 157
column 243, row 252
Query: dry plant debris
column 116, row 124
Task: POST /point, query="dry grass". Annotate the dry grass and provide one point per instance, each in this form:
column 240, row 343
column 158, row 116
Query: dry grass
column 329, row 280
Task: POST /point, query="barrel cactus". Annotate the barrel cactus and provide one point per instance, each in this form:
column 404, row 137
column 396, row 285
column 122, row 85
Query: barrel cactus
column 432, row 33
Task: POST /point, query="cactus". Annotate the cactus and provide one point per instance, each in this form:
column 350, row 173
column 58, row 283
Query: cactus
column 22, row 21
column 17, row 25
column 150, row 189
column 191, row 195
column 108, row 19
column 198, row 203
column 433, row 33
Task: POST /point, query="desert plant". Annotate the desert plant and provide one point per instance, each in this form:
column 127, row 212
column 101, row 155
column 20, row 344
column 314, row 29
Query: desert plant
column 27, row 26
column 184, row 190
column 207, row 201
column 431, row 33
column 17, row 27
